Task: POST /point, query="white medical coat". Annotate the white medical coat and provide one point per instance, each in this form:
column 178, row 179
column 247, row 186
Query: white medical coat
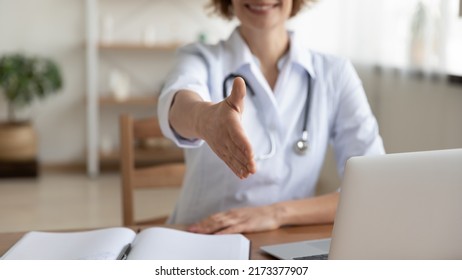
column 339, row 114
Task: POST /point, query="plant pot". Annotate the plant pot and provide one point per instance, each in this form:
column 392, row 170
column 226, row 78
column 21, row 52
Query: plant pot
column 18, row 150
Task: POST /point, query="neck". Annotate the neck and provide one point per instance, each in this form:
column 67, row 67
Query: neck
column 268, row 46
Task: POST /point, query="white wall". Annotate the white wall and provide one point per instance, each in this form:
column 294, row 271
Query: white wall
column 52, row 28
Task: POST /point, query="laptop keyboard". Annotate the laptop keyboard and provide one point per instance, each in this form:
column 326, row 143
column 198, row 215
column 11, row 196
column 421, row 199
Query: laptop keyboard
column 314, row 257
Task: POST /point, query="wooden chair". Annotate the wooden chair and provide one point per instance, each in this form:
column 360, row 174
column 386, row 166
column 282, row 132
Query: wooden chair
column 161, row 165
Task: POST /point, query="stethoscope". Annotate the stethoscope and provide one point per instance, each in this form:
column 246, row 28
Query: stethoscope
column 301, row 146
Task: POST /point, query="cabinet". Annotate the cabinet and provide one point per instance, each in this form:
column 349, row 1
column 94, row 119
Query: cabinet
column 108, row 51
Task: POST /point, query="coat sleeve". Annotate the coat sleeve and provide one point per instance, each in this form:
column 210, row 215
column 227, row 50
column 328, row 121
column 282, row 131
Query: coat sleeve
column 355, row 130
column 190, row 72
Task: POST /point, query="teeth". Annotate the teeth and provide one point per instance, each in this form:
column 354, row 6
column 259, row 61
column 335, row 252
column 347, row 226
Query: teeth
column 261, row 7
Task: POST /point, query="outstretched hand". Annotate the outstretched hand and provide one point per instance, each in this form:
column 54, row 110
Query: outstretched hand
column 220, row 126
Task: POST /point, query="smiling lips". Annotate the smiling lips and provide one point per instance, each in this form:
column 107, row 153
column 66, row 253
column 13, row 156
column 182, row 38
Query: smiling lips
column 261, row 8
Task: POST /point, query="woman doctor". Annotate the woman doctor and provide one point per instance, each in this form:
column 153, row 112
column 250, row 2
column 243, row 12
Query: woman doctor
column 255, row 114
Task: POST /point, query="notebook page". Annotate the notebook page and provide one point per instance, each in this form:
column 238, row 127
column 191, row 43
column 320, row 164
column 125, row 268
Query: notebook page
column 170, row 244
column 103, row 244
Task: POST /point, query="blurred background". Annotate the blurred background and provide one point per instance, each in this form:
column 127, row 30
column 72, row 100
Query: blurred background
column 112, row 57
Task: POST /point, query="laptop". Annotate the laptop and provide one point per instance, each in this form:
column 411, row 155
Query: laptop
column 394, row 206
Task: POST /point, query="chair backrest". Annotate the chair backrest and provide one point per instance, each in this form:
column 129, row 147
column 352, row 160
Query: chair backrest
column 161, row 165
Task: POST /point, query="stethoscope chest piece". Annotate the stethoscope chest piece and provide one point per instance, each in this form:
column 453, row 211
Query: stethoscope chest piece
column 301, row 145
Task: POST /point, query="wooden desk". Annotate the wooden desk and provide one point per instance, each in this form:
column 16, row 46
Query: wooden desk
column 282, row 235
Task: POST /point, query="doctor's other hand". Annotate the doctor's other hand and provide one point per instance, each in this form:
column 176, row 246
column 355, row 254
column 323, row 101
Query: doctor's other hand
column 220, row 126
column 239, row 220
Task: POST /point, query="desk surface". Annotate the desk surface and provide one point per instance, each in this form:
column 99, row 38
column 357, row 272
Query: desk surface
column 282, row 235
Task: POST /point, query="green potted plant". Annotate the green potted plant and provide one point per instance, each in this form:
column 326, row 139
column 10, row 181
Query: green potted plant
column 23, row 79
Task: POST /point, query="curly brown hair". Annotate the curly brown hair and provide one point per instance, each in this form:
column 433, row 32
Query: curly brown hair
column 224, row 7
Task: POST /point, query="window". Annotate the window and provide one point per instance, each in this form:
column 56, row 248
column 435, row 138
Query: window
column 420, row 34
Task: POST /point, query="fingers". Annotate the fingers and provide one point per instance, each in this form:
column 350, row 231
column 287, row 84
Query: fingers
column 239, row 228
column 231, row 221
column 229, row 143
column 238, row 157
column 235, row 164
column 214, row 223
column 241, row 168
column 241, row 150
column 244, row 152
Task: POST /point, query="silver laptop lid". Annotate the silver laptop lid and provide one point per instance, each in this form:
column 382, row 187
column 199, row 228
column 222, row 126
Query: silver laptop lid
column 299, row 249
column 400, row 206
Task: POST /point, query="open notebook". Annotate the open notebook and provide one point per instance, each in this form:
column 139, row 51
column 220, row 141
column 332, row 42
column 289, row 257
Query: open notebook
column 123, row 243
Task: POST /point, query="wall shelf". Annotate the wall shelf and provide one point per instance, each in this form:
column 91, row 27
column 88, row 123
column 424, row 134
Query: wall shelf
column 132, row 46
column 109, row 100
column 97, row 97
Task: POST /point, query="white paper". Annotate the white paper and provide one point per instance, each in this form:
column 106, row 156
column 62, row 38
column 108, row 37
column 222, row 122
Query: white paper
column 169, row 244
column 103, row 244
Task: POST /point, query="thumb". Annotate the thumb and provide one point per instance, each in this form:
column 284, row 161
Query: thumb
column 236, row 99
